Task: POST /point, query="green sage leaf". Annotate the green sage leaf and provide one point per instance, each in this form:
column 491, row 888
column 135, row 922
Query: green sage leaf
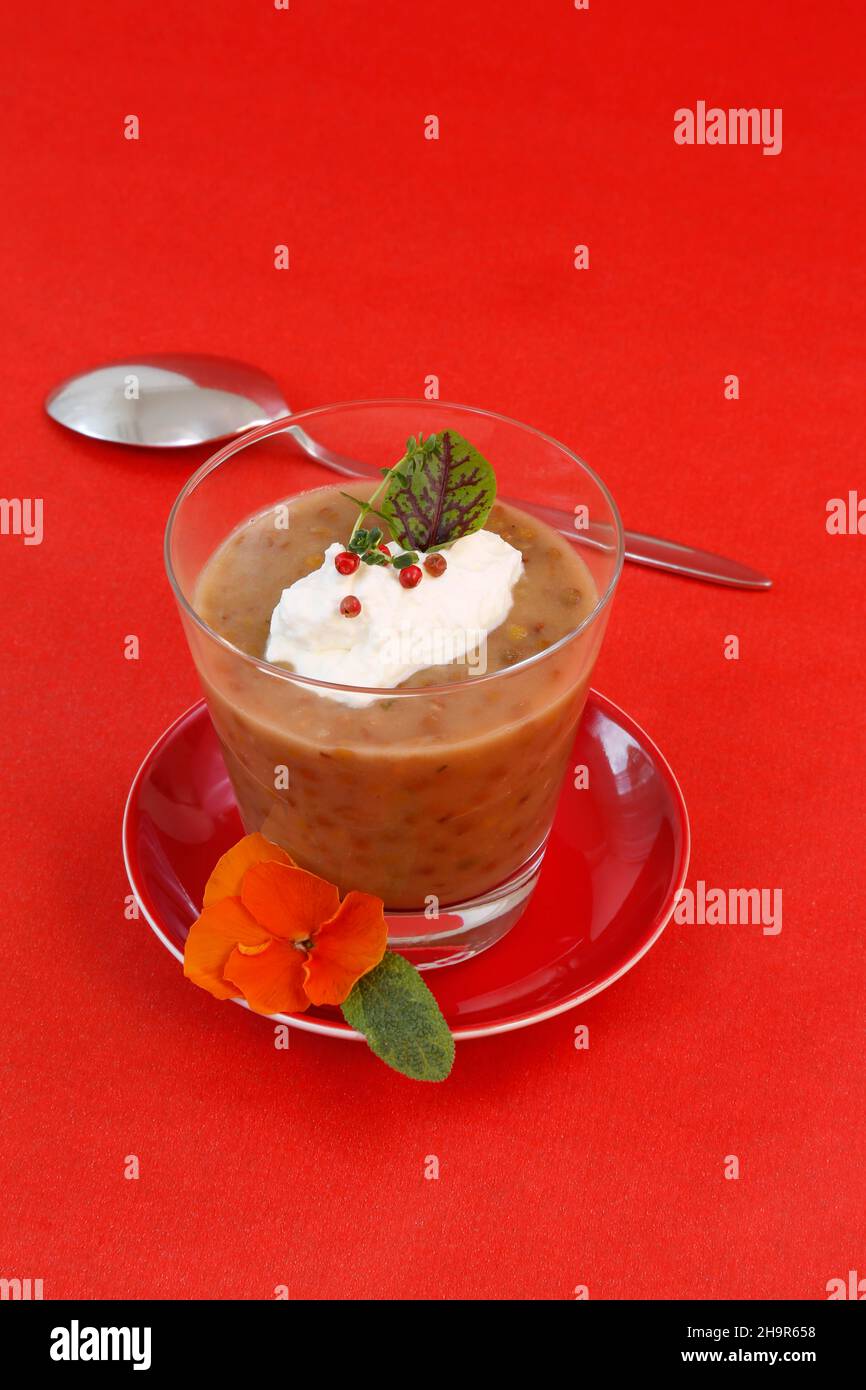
column 399, row 1017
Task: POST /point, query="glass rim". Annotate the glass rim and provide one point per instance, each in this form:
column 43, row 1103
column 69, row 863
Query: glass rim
column 287, row 422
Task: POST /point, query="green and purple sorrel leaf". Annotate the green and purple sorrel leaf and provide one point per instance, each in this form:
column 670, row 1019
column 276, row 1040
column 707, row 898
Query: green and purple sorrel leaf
column 437, row 500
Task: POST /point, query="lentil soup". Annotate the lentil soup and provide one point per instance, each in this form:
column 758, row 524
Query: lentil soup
column 441, row 789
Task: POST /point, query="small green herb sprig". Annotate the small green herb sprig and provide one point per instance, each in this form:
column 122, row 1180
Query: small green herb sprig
column 367, row 542
column 368, row 546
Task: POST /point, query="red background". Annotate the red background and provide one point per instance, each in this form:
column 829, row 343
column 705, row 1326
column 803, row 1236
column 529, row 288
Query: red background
column 411, row 257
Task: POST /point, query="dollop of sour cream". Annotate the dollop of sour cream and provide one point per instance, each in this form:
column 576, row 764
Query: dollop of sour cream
column 398, row 631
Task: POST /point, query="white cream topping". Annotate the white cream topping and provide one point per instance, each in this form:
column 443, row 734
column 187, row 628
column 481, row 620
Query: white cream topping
column 398, row 631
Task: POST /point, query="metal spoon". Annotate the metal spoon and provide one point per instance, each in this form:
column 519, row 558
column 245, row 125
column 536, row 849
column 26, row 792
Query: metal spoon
column 171, row 400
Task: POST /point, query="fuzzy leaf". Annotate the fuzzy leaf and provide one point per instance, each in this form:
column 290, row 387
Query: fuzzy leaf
column 445, row 495
column 399, row 1017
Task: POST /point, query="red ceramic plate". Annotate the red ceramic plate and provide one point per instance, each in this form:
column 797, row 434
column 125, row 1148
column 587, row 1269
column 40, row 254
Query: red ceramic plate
column 616, row 860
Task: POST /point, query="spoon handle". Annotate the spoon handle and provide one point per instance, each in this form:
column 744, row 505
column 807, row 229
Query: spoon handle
column 690, row 561
column 641, row 549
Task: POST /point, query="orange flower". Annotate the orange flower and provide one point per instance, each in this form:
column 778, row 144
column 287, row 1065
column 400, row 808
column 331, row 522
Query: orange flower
column 279, row 936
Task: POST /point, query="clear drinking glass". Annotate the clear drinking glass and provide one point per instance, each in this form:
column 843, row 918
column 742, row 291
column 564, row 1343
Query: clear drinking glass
column 449, row 820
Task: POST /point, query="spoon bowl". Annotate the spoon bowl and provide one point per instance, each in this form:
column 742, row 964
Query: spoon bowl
column 167, row 400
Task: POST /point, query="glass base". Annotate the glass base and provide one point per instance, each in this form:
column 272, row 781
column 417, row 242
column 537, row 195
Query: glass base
column 463, row 930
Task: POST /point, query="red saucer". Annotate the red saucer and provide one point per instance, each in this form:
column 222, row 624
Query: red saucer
column 616, row 860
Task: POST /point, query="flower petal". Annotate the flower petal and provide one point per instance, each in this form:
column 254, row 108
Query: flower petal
column 290, row 902
column 272, row 982
column 345, row 947
column 227, row 877
column 211, row 940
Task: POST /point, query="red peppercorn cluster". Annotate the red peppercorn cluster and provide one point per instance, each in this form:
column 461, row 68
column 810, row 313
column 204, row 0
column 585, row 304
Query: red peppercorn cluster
column 347, row 562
